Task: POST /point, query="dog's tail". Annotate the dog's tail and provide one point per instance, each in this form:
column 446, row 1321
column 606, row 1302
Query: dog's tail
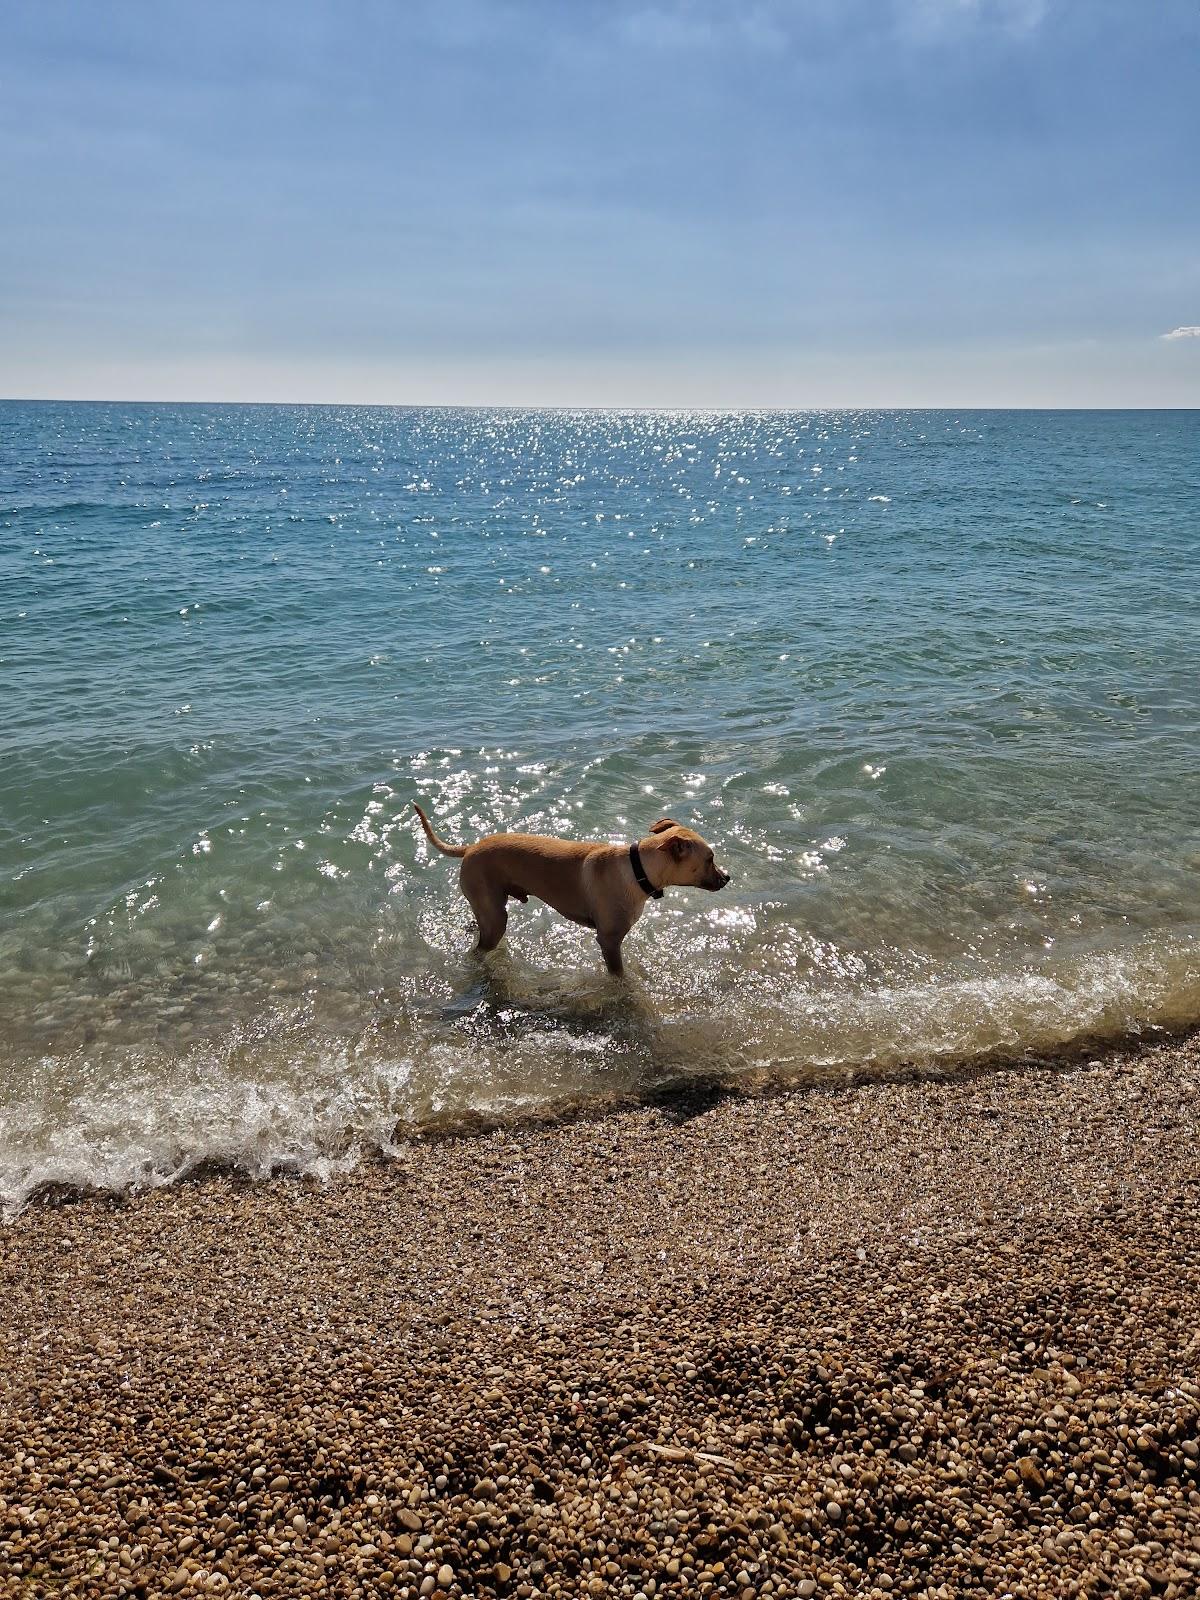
column 438, row 844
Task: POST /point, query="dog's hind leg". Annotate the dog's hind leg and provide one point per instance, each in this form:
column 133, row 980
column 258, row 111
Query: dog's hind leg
column 492, row 924
column 491, row 918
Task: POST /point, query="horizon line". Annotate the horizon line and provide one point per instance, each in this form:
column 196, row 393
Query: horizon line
column 485, row 405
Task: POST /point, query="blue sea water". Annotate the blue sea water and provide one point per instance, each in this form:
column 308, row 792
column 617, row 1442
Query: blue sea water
column 929, row 681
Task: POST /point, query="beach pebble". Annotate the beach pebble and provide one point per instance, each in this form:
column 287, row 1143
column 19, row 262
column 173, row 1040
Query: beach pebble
column 1031, row 1473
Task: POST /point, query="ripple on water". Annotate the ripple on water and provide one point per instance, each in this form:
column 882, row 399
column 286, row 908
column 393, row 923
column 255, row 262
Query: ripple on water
column 940, row 723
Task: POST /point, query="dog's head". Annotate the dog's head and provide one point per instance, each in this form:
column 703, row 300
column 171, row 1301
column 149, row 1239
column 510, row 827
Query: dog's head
column 684, row 856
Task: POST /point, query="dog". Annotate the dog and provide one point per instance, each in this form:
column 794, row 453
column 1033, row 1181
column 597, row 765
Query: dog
column 601, row 886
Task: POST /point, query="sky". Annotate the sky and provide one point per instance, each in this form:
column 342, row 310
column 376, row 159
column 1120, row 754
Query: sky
column 602, row 202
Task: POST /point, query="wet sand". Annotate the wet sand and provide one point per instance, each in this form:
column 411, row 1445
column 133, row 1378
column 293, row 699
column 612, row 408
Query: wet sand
column 923, row 1338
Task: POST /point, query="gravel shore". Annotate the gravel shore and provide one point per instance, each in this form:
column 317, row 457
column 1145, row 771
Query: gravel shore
column 921, row 1338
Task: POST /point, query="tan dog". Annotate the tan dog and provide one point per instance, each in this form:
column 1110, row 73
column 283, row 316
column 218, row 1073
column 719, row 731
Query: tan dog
column 603, row 886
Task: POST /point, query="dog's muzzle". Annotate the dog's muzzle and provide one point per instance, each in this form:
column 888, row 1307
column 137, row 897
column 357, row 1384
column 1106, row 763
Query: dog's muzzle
column 718, row 880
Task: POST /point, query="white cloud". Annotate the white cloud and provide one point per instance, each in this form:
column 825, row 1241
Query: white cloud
column 687, row 25
column 933, row 17
column 1182, row 333
column 774, row 24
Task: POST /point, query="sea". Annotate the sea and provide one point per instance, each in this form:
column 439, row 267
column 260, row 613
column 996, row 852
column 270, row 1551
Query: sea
column 928, row 681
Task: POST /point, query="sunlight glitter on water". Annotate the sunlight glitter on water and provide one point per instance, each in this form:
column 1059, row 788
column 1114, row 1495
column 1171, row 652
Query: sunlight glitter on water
column 948, row 757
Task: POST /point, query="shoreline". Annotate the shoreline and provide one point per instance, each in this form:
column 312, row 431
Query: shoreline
column 683, row 1095
column 864, row 1339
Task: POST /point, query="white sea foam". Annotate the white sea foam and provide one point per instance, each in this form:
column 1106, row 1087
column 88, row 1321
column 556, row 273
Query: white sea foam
column 285, row 1098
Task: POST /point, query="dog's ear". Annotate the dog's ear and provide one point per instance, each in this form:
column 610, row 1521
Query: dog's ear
column 663, row 824
column 680, row 847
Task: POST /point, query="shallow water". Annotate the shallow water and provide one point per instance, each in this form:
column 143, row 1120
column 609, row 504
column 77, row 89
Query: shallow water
column 928, row 681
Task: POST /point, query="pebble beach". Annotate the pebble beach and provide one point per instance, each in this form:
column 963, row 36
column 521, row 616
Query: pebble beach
column 930, row 1338
column 671, row 429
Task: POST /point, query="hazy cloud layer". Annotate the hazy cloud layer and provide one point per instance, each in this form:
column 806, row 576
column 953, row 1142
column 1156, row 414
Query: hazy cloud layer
column 776, row 24
column 673, row 201
column 1015, row 16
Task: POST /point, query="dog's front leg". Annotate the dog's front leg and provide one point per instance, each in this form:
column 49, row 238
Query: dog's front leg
column 610, row 949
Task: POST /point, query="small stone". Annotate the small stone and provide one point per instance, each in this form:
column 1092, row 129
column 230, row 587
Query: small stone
column 445, row 1575
column 833, row 1511
column 1031, row 1473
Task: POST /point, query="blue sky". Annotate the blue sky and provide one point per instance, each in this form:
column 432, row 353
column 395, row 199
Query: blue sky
column 660, row 202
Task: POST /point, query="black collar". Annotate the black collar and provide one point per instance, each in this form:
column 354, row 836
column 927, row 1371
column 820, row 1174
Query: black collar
column 639, row 872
